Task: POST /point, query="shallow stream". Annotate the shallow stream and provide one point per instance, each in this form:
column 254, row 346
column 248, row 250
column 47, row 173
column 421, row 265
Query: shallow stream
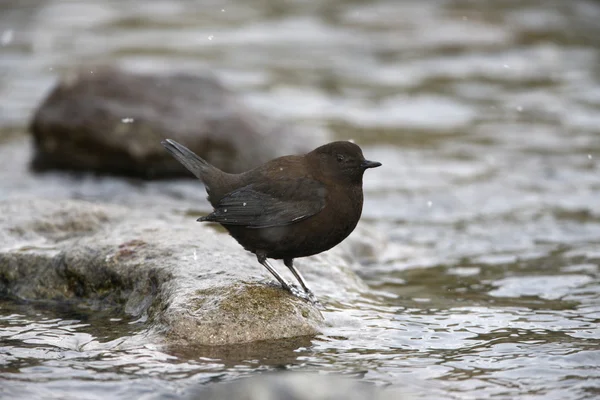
column 486, row 117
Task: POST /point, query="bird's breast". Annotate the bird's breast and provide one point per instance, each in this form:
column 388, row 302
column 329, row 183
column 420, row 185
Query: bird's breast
column 343, row 209
column 310, row 236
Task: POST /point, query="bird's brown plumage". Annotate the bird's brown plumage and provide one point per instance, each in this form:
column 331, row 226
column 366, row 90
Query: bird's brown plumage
column 292, row 206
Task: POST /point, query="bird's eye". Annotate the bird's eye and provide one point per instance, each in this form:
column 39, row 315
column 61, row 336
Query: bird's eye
column 340, row 158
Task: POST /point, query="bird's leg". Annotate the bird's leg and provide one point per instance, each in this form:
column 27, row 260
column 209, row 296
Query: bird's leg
column 289, row 262
column 263, row 260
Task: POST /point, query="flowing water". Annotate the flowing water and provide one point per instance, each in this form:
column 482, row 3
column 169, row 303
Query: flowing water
column 486, row 117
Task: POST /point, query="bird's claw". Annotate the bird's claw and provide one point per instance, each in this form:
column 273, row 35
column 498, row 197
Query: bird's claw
column 296, row 291
column 307, row 295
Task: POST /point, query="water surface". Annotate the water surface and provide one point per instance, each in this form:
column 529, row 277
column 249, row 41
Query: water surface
column 486, row 117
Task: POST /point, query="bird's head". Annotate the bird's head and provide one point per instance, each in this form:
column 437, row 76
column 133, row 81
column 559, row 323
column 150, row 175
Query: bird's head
column 342, row 162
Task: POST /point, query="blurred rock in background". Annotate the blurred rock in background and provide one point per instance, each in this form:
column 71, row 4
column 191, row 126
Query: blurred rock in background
column 108, row 121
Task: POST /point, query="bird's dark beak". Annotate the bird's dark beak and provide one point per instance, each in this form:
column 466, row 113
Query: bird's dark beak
column 370, row 164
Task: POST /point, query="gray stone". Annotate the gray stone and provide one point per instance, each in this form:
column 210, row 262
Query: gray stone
column 297, row 386
column 193, row 283
column 109, row 121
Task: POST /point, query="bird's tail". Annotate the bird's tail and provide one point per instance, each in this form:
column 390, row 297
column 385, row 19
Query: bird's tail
column 189, row 159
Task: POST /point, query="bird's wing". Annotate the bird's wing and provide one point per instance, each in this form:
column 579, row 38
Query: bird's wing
column 276, row 203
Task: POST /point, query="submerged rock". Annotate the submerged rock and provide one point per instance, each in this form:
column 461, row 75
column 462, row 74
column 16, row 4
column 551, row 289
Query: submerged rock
column 297, row 386
column 193, row 283
column 109, row 121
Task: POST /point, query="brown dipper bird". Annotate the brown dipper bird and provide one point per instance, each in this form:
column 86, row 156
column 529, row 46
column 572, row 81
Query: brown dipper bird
column 292, row 206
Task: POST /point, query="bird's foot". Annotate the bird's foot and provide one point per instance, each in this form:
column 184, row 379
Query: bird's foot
column 311, row 297
column 298, row 292
column 307, row 295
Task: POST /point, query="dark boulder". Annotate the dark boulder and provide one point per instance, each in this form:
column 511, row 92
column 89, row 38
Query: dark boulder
column 109, row 121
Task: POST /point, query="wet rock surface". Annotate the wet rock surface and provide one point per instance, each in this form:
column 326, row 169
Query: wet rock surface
column 192, row 283
column 110, row 121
